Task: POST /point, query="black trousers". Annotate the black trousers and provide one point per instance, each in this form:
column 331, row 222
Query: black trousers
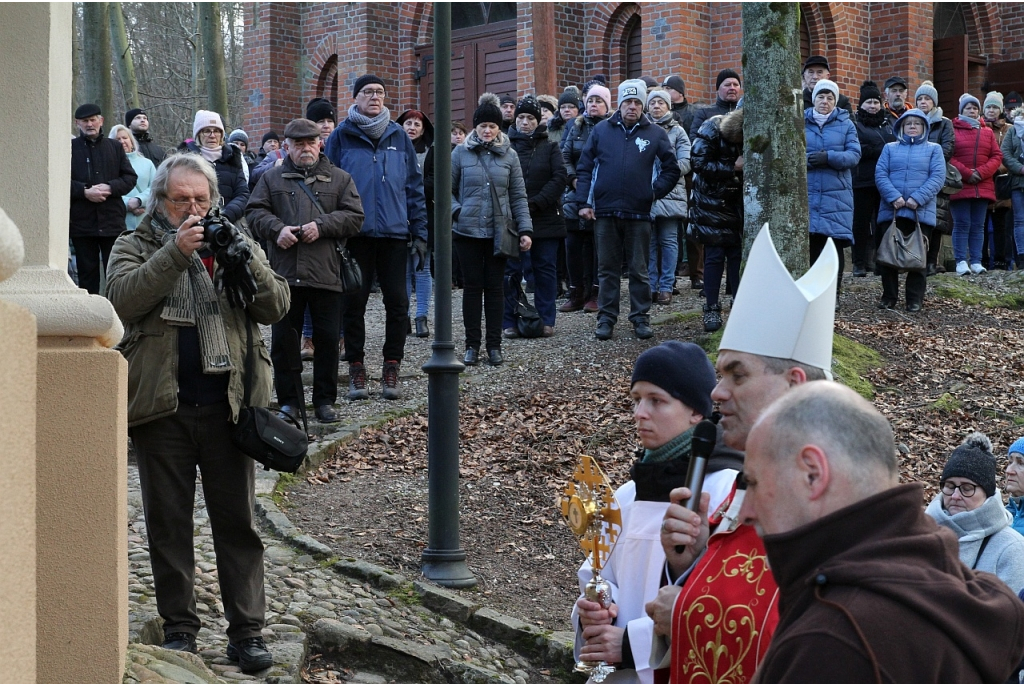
column 817, row 244
column 484, row 290
column 169, row 452
column 916, row 280
column 865, row 210
column 88, row 252
column 325, row 311
column 581, row 261
column 384, row 258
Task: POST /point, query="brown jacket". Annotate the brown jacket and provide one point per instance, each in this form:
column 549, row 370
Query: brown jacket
column 141, row 273
column 876, row 592
column 278, row 201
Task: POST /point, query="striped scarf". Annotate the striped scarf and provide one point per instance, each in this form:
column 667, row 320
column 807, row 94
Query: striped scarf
column 194, row 302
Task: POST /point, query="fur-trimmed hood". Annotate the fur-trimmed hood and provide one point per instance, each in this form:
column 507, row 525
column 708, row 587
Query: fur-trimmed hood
column 732, row 126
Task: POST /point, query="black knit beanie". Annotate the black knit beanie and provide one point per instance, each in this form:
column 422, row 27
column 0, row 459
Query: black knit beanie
column 507, row 99
column 869, row 91
column 269, row 135
column 683, row 370
column 364, row 81
column 488, row 111
column 130, row 115
column 973, row 460
column 724, row 74
column 528, row 105
column 569, row 98
column 320, row 108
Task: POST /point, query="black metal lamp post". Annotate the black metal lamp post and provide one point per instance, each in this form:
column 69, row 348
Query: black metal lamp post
column 444, row 562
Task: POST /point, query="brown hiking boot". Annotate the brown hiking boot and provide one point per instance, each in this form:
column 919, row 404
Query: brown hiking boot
column 574, row 303
column 389, row 381
column 307, row 350
column 357, row 382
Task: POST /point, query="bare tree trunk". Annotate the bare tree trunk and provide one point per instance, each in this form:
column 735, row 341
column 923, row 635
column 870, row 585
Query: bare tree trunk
column 125, row 63
column 213, row 53
column 775, row 160
column 76, row 58
column 99, row 86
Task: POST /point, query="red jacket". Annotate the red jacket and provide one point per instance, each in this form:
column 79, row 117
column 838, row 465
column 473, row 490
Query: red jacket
column 976, row 148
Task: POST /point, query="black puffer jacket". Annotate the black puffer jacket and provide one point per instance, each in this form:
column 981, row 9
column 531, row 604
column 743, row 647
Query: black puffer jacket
column 716, row 205
column 544, row 174
column 940, row 131
column 873, row 131
column 573, row 141
column 230, row 180
column 705, row 113
column 94, row 162
column 149, row 149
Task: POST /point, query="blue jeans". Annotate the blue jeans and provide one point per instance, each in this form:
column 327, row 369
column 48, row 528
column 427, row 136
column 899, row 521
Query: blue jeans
column 544, row 256
column 307, row 324
column 968, row 229
column 423, row 284
column 615, row 238
column 664, row 239
column 1017, row 198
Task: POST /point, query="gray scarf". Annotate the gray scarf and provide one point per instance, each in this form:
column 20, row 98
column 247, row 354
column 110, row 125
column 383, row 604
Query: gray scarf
column 194, row 302
column 975, row 123
column 374, row 127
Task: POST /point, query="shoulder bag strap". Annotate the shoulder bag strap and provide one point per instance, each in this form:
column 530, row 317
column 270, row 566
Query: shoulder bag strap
column 981, row 550
column 340, row 244
column 249, row 370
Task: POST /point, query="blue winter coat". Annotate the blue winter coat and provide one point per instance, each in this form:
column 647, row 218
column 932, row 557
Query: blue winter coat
column 910, row 168
column 1016, row 509
column 830, row 188
column 623, row 171
column 387, row 177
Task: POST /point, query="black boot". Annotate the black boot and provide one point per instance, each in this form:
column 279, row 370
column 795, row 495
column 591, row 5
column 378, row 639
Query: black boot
column 422, row 330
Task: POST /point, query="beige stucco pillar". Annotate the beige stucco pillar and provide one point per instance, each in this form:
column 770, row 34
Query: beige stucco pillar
column 17, row 474
column 81, row 383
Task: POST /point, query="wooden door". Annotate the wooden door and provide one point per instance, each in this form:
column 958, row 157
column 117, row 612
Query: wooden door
column 950, row 55
column 480, row 63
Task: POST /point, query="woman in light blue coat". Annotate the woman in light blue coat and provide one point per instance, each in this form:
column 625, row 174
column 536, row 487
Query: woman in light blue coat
column 833, row 150
column 136, row 200
column 669, row 211
column 909, row 175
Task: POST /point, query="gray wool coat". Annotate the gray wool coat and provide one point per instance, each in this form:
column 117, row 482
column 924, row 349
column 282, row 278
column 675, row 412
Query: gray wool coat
column 1004, row 553
column 475, row 167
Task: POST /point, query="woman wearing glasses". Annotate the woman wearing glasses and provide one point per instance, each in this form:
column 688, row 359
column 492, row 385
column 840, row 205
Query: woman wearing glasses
column 227, row 160
column 971, row 506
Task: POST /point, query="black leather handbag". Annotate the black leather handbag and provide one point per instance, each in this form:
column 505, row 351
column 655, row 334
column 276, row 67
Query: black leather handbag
column 349, row 273
column 528, row 321
column 275, row 442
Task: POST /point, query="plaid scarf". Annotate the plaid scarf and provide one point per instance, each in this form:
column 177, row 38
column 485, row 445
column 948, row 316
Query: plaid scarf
column 194, row 302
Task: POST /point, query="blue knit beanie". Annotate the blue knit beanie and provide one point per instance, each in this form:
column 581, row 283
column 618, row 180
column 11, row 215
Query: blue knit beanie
column 683, row 370
column 1017, row 447
column 966, row 98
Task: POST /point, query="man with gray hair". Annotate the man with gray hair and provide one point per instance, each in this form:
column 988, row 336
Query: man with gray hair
column 190, row 314
column 627, row 164
column 778, row 337
column 303, row 208
column 865, row 576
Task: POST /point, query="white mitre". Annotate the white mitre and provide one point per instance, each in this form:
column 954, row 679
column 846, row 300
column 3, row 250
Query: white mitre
column 774, row 316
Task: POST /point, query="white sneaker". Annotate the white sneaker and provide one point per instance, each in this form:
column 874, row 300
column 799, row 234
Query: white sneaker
column 978, row 269
column 962, row 269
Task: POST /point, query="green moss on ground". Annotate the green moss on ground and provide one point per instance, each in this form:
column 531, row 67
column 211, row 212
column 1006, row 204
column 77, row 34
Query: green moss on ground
column 974, row 291
column 405, row 594
column 947, row 403
column 850, row 363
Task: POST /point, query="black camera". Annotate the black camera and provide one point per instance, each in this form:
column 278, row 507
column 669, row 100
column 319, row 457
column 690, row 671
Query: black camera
column 217, row 231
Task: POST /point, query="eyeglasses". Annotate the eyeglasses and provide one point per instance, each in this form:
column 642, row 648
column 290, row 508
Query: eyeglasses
column 966, row 489
column 184, row 205
column 373, row 93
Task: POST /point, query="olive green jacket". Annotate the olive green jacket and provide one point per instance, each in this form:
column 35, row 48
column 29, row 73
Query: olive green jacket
column 141, row 273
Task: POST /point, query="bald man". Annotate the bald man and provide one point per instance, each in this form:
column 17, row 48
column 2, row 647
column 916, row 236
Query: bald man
column 872, row 590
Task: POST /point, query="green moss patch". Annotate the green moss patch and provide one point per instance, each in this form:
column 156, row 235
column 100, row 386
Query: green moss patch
column 947, row 403
column 1007, row 293
column 851, row 361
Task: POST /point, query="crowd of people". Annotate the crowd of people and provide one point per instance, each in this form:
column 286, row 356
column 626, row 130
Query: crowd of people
column 203, row 242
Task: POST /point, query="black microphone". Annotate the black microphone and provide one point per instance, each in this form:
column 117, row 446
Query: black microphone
column 704, row 437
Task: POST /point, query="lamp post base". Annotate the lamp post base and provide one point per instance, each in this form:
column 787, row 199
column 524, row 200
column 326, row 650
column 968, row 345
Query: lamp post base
column 447, row 568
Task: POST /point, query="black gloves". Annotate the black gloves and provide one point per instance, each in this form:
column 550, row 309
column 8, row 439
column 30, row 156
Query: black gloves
column 817, row 159
column 239, row 284
column 234, row 276
column 418, row 249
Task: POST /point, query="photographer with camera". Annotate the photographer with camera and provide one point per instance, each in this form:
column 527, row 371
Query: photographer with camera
column 303, row 208
column 187, row 307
